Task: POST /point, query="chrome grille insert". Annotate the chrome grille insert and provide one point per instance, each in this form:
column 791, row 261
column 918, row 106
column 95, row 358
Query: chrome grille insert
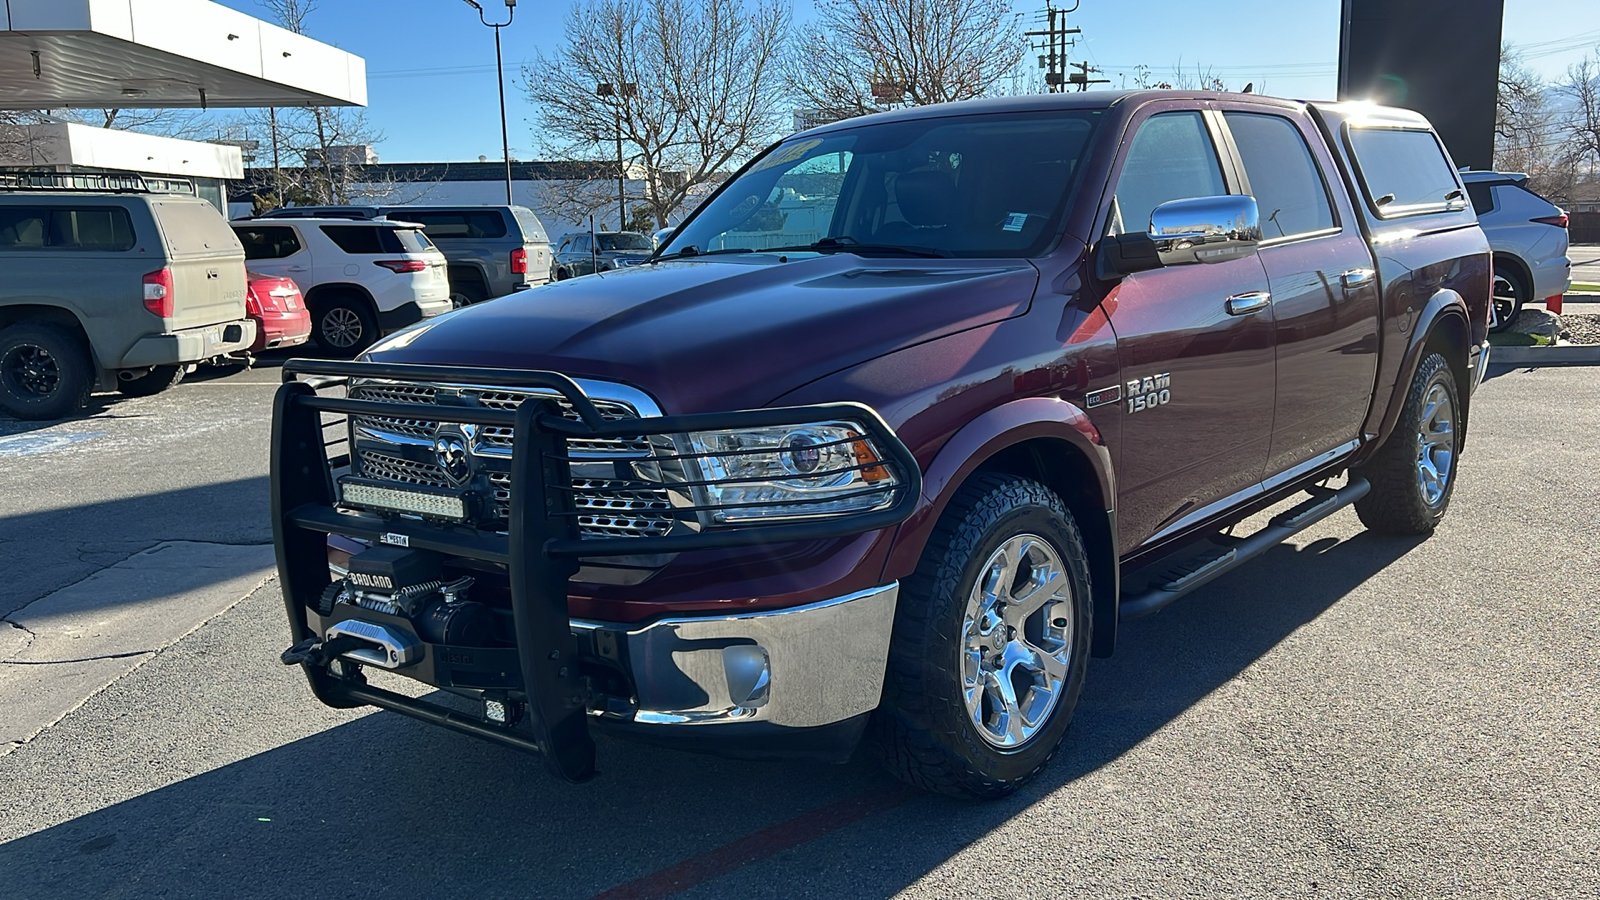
column 606, row 507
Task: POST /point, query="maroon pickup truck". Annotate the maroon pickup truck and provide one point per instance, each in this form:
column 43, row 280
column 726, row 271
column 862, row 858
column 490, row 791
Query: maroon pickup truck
column 892, row 433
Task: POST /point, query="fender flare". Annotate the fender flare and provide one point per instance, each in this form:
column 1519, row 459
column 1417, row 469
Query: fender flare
column 1444, row 306
column 978, row 442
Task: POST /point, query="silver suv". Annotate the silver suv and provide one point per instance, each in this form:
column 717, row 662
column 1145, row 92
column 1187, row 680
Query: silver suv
column 108, row 284
column 493, row 250
column 1528, row 235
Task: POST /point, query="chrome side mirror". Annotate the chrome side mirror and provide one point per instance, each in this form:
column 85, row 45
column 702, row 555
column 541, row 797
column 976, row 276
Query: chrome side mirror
column 1205, row 229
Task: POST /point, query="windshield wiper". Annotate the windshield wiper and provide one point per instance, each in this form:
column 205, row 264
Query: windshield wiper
column 691, row 251
column 845, row 244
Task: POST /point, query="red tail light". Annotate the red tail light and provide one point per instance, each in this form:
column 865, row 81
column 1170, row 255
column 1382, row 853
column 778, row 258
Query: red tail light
column 252, row 303
column 158, row 293
column 519, row 261
column 401, row 266
column 1559, row 221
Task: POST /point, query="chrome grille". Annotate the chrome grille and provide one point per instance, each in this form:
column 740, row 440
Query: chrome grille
column 606, row 507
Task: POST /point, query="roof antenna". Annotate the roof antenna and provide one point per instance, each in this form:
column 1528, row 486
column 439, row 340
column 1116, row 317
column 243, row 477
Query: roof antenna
column 1249, row 88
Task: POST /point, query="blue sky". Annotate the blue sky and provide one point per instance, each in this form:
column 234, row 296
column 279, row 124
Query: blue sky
column 430, row 64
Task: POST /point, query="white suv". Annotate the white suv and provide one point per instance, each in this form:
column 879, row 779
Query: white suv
column 361, row 279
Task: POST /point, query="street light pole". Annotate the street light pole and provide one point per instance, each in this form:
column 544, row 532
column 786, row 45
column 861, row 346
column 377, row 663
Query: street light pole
column 500, row 72
column 617, row 93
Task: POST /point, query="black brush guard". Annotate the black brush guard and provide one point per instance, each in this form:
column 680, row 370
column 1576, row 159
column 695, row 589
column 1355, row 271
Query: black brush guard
column 541, row 545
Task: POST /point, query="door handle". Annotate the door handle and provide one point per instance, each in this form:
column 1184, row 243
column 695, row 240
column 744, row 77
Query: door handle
column 296, row 268
column 1355, row 278
column 1247, row 303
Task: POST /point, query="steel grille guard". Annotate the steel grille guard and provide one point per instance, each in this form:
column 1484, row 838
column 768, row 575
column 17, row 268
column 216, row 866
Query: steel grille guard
column 540, row 548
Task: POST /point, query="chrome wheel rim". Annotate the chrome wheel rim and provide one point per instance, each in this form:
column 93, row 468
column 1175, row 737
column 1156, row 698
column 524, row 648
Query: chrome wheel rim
column 30, row 369
column 1436, row 446
column 1505, row 299
column 1017, row 641
column 342, row 327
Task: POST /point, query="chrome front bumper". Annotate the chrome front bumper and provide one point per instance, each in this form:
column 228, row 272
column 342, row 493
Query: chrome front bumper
column 804, row 667
column 1479, row 364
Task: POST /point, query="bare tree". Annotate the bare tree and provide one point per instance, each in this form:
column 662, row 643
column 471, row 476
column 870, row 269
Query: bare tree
column 688, row 88
column 1581, row 89
column 310, row 146
column 860, row 55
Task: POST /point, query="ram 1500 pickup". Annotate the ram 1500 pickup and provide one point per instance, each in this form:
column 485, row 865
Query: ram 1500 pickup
column 885, row 441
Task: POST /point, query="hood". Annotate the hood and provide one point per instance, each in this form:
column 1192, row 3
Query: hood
column 722, row 334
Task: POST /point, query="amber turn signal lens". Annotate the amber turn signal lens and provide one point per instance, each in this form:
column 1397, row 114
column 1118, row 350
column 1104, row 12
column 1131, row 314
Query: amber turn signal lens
column 865, row 455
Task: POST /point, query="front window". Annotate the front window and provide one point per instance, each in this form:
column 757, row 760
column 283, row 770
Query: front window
column 970, row 186
column 624, row 240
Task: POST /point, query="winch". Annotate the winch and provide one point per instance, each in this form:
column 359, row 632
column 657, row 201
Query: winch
column 410, row 584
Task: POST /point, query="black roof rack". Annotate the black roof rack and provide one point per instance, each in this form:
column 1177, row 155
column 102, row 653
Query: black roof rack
column 94, row 182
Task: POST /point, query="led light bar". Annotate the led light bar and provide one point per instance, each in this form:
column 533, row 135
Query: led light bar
column 417, row 502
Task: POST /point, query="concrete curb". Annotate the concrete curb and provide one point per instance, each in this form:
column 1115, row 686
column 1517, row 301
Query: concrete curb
column 1569, row 355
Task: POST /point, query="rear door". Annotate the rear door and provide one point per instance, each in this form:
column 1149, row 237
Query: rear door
column 1197, row 370
column 1323, row 284
column 207, row 263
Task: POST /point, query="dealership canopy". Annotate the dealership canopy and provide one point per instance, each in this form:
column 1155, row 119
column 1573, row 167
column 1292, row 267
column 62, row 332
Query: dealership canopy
column 164, row 53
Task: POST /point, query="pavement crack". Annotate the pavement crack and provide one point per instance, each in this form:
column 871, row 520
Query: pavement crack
column 81, row 659
column 28, row 637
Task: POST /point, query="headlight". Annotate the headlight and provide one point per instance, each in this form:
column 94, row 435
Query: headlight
column 788, row 472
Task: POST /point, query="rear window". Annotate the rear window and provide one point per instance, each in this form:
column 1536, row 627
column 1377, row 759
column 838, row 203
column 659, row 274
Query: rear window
column 374, row 239
column 1404, row 172
column 532, row 229
column 1481, row 195
column 194, row 226
column 458, row 225
column 65, row 228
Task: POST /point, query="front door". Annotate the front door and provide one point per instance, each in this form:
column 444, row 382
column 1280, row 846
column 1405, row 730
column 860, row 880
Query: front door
column 1324, row 291
column 1197, row 371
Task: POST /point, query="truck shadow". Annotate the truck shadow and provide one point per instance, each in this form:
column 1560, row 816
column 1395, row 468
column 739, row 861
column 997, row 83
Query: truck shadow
column 381, row 804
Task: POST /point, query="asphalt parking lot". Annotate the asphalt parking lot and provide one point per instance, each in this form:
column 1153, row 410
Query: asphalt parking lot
column 1350, row 716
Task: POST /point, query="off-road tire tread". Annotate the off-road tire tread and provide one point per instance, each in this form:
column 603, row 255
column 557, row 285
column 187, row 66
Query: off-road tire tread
column 905, row 735
column 82, row 368
column 1394, row 505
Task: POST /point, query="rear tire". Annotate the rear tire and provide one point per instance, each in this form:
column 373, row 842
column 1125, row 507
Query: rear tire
column 153, row 382
column 45, row 371
column 1509, row 295
column 1414, row 472
column 990, row 644
column 466, row 288
column 343, row 325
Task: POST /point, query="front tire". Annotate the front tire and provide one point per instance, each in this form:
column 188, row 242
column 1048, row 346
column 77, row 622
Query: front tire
column 1413, row 473
column 45, row 372
column 990, row 644
column 153, row 382
column 344, row 326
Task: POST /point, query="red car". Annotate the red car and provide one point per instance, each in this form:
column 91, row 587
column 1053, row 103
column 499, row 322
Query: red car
column 282, row 319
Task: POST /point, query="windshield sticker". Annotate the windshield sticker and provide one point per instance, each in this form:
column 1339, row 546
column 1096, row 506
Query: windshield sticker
column 787, row 154
column 1014, row 221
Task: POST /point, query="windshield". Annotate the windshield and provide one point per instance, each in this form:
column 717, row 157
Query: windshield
column 975, row 185
column 624, row 240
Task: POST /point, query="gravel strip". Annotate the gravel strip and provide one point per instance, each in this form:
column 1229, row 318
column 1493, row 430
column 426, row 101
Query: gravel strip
column 1581, row 329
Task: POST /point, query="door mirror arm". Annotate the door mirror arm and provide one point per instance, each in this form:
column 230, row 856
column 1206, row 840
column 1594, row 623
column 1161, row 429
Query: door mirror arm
column 1124, row 254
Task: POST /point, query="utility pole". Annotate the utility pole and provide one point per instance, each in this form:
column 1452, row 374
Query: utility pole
column 1081, row 77
column 1054, row 43
column 618, row 93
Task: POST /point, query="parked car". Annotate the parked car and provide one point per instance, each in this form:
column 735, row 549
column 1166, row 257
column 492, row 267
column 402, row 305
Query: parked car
column 908, row 476
column 1529, row 237
column 492, row 250
column 105, row 283
column 279, row 311
column 361, row 279
column 582, row 253
column 661, row 235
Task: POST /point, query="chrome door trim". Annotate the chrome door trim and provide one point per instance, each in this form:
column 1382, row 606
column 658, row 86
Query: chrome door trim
column 1248, row 302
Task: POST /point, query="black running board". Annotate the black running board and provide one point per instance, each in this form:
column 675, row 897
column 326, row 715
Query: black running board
column 1225, row 558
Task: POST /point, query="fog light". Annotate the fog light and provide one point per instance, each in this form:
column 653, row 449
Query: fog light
column 749, row 674
column 495, row 711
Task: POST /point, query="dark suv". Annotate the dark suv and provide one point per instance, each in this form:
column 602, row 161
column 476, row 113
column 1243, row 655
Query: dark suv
column 584, row 253
column 893, row 432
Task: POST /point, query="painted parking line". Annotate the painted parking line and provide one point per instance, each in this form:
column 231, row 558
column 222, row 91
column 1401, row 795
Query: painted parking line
column 786, row 835
column 30, row 444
